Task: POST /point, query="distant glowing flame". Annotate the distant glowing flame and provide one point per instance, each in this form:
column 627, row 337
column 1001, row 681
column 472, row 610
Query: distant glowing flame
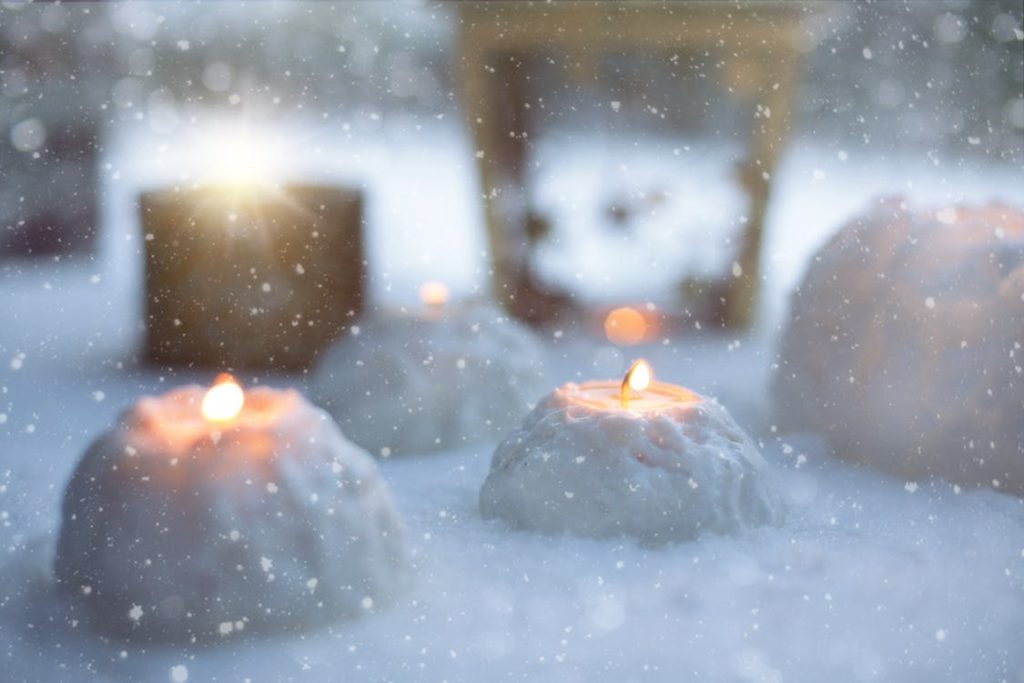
column 637, row 378
column 224, row 400
column 434, row 294
column 625, row 326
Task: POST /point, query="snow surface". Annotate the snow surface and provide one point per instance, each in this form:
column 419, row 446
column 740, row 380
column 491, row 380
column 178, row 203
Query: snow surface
column 870, row 578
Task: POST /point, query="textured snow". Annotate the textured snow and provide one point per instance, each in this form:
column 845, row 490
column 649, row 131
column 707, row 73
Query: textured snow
column 664, row 476
column 906, row 343
column 410, row 382
column 276, row 523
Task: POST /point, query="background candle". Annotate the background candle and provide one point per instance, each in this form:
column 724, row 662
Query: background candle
column 196, row 516
column 650, row 460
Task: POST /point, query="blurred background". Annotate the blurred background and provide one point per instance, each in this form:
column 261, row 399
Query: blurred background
column 627, row 181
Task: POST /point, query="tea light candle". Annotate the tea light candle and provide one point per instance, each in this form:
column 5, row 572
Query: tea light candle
column 432, row 378
column 639, row 458
column 201, row 513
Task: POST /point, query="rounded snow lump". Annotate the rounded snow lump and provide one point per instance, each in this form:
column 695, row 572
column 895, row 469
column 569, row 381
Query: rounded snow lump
column 172, row 531
column 659, row 477
column 409, row 383
column 904, row 345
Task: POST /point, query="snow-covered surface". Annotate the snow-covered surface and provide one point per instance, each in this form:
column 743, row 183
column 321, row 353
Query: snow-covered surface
column 906, row 343
column 176, row 529
column 667, row 473
column 418, row 380
column 870, row 577
column 631, row 218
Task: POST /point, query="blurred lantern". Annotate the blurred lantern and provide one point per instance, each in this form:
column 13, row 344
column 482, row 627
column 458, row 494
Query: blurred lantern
column 249, row 275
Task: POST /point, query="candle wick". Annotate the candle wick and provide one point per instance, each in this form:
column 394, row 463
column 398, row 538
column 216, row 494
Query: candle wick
column 624, row 393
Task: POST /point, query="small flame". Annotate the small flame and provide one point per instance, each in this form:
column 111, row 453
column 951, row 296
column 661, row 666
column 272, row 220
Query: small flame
column 625, row 326
column 637, row 378
column 434, row 293
column 224, row 400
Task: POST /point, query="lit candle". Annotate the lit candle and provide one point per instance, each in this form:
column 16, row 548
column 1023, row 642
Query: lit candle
column 205, row 512
column 435, row 377
column 632, row 457
column 434, row 296
column 627, row 326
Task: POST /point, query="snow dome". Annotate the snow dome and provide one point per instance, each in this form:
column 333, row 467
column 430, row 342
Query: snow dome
column 177, row 530
column 660, row 474
column 904, row 346
column 413, row 382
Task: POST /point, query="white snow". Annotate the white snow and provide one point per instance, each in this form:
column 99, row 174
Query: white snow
column 630, row 219
column 854, row 586
column 418, row 380
column 903, row 343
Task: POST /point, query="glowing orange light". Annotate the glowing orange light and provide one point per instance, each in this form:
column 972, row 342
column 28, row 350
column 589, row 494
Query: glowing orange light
column 434, row 294
column 625, row 326
column 224, row 400
column 637, row 378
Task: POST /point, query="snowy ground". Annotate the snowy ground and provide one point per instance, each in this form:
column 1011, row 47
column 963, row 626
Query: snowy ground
column 870, row 578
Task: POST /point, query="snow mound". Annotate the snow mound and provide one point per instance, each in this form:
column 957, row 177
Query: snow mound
column 266, row 526
column 660, row 478
column 415, row 383
column 904, row 347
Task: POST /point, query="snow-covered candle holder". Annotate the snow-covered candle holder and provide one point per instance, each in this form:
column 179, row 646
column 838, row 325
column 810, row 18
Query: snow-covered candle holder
column 195, row 517
column 665, row 465
column 905, row 344
column 433, row 379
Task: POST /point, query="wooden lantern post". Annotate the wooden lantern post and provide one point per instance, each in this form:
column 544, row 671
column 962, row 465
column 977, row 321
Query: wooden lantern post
column 758, row 43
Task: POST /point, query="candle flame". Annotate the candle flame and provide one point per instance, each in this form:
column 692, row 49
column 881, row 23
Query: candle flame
column 224, row 400
column 625, row 326
column 434, row 293
column 637, row 378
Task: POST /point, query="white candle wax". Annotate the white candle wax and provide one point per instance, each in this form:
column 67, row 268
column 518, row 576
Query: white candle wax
column 605, row 395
